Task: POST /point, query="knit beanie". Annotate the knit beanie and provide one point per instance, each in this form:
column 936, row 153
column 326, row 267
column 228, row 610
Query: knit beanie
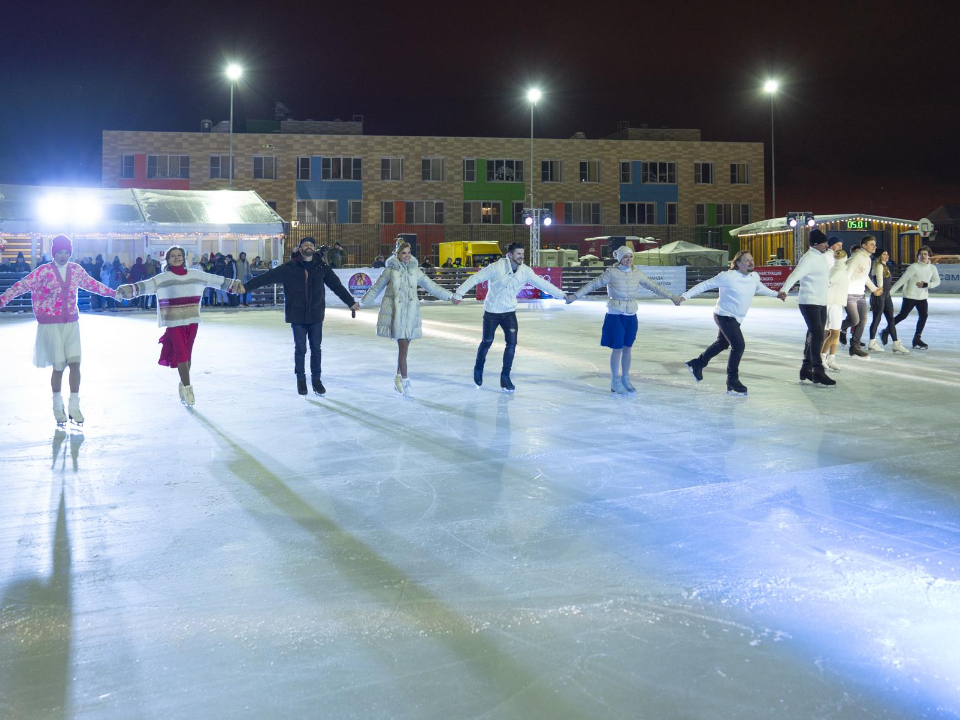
column 307, row 239
column 61, row 242
column 833, row 241
column 621, row 251
column 817, row 237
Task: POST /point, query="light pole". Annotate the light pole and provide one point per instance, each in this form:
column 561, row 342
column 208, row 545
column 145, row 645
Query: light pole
column 533, row 96
column 770, row 87
column 234, row 72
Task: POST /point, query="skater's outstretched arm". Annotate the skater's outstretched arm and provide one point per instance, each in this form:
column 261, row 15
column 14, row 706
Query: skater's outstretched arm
column 908, row 275
column 764, row 290
column 484, row 274
column 91, row 285
column 545, row 285
column 711, row 284
column 381, row 283
column 23, row 285
column 598, row 282
column 331, row 280
column 273, row 276
column 431, row 287
column 657, row 289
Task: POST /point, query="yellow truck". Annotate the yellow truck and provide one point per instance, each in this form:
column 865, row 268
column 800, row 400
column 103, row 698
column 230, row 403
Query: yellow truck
column 470, row 254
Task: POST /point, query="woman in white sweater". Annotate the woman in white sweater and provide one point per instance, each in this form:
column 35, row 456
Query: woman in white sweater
column 399, row 317
column 623, row 282
column 737, row 287
column 836, row 302
column 916, row 283
column 882, row 305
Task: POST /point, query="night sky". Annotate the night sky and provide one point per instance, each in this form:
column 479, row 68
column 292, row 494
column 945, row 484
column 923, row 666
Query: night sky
column 867, row 119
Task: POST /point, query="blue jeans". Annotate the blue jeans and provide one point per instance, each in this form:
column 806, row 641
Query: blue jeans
column 491, row 321
column 304, row 333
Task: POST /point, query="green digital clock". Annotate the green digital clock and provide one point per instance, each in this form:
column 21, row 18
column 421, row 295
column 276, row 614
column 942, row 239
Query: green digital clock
column 857, row 225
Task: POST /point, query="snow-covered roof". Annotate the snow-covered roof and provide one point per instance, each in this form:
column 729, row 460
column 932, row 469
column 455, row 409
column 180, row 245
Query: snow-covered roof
column 30, row 209
column 780, row 224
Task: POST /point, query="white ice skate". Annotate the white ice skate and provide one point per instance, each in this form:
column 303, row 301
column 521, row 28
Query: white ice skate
column 616, row 386
column 627, row 385
column 58, row 413
column 874, row 346
column 831, row 363
column 398, row 383
column 183, row 397
column 407, row 389
column 188, row 398
column 899, row 349
column 73, row 408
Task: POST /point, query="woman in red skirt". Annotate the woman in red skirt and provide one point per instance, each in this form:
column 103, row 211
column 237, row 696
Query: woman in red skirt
column 178, row 290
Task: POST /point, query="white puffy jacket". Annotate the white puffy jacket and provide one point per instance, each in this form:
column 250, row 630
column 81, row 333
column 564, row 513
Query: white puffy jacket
column 839, row 283
column 623, row 289
column 918, row 272
column 399, row 316
column 504, row 283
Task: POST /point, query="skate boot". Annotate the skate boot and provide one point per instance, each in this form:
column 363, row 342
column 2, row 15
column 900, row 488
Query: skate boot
column 58, row 412
column 806, row 373
column 398, row 383
column 505, row 384
column 696, row 368
column 478, row 375
column 188, row 398
column 919, row 344
column 843, row 337
column 407, row 389
column 874, row 346
column 183, row 397
column 857, row 351
column 735, row 387
column 831, row 363
column 884, row 335
column 821, row 379
column 301, row 384
column 616, row 386
column 73, row 409
column 899, row 349
column 318, row 387
column 627, row 385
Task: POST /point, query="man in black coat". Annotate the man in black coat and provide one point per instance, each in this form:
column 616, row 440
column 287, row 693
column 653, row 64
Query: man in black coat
column 303, row 279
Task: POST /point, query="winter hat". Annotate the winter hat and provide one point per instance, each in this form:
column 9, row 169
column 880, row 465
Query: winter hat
column 307, row 239
column 833, row 241
column 817, row 237
column 621, row 251
column 61, row 242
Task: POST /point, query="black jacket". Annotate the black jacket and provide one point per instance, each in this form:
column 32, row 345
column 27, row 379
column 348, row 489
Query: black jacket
column 303, row 289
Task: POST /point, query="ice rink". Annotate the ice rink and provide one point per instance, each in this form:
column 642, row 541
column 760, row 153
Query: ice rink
column 558, row 553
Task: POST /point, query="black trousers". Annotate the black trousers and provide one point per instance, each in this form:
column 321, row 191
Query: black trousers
column 906, row 306
column 882, row 307
column 491, row 321
column 815, row 316
column 304, row 333
column 728, row 337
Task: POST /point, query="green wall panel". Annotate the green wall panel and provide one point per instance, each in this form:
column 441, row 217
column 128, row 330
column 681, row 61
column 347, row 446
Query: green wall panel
column 505, row 192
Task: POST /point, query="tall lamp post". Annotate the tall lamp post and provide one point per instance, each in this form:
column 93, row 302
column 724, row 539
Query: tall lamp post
column 770, row 87
column 234, row 72
column 533, row 96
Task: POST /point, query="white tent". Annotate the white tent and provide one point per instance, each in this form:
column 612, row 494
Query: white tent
column 682, row 253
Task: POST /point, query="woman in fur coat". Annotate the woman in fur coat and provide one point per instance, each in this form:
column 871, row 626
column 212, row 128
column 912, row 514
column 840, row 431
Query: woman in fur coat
column 399, row 317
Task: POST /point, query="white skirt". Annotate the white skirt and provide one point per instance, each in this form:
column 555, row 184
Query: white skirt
column 834, row 316
column 58, row 344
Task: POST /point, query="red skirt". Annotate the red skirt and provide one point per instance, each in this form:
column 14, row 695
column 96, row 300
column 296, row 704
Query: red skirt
column 177, row 344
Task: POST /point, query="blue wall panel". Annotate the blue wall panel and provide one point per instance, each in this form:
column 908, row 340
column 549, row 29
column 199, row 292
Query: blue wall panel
column 339, row 190
column 657, row 192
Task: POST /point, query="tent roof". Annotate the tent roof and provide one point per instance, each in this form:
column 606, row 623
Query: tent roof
column 780, row 224
column 681, row 246
column 49, row 210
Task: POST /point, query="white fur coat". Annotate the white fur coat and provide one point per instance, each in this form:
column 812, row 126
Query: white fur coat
column 399, row 317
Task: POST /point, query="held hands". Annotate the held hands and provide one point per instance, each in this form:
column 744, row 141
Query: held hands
column 569, row 298
column 355, row 307
column 878, row 291
column 125, row 292
column 455, row 300
column 677, row 299
column 240, row 289
column 782, row 295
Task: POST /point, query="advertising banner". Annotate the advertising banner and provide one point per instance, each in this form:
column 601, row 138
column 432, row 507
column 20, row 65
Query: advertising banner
column 949, row 279
column 773, row 275
column 552, row 275
column 356, row 280
column 670, row 278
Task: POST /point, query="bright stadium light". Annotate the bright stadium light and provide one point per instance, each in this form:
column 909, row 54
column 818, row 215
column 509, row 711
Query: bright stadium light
column 234, row 72
column 534, row 95
column 547, row 220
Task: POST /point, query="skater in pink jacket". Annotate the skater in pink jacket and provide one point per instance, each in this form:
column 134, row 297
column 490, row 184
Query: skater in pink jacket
column 54, row 288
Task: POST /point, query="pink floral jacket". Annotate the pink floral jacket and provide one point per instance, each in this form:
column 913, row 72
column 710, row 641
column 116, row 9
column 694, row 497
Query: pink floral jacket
column 55, row 300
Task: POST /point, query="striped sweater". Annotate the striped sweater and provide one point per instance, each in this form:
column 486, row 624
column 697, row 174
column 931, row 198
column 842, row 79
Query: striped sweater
column 178, row 296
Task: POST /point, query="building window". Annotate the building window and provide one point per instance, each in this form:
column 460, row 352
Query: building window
column 469, row 170
column 740, row 173
column 391, row 168
column 126, row 166
column 504, row 170
column 386, row 212
column 482, row 212
column 590, row 171
column 264, row 167
column 340, row 168
column 355, row 214
column 303, row 168
column 671, row 213
column 548, row 206
column 317, row 211
column 272, row 204
column 219, row 167
column 733, row 214
column 658, row 172
column 431, row 169
column 581, row 213
column 700, row 214
column 425, row 212
column 517, row 212
column 638, row 213
column 703, row 173
column 551, row 171
column 626, row 172
column 168, row 166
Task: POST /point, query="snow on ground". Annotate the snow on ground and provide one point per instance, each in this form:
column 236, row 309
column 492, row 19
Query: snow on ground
column 559, row 553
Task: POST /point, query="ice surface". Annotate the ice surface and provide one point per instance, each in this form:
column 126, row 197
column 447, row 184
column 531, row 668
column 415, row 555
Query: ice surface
column 559, row 553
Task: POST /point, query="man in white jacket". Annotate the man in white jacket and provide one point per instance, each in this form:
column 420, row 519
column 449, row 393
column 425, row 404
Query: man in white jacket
column 858, row 272
column 505, row 278
column 916, row 283
column 813, row 273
